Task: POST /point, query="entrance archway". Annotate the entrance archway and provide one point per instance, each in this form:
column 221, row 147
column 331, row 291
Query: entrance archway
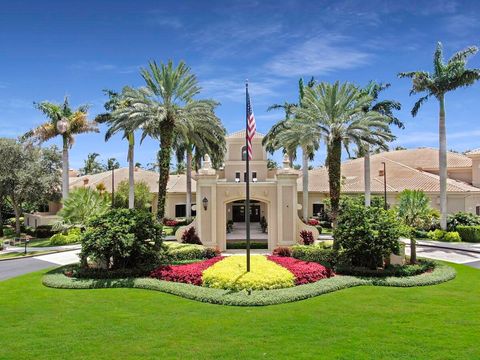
column 236, row 225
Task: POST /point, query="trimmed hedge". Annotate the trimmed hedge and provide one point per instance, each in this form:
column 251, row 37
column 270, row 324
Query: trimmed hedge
column 243, row 245
column 315, row 253
column 183, row 252
column 469, row 233
column 56, row 279
column 446, row 236
column 390, row 270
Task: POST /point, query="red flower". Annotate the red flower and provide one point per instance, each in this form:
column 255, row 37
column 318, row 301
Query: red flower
column 304, row 272
column 188, row 273
column 313, row 222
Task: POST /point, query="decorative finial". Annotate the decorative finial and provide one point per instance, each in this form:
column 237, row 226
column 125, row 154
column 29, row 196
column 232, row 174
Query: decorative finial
column 207, row 162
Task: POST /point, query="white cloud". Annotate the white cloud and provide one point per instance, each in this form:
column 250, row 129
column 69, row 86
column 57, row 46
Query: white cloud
column 101, row 67
column 317, row 56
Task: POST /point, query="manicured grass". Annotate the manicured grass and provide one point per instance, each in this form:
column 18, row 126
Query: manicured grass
column 367, row 322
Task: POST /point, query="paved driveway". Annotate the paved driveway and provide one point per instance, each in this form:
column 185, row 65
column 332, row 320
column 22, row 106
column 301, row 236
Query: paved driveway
column 12, row 268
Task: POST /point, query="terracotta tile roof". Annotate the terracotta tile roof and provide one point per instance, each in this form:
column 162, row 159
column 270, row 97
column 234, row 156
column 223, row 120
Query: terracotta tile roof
column 176, row 183
column 426, row 158
column 400, row 175
column 473, row 152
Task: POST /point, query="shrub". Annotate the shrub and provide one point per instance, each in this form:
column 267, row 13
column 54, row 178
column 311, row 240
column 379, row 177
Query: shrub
column 313, row 222
column 123, row 239
column 316, row 253
column 420, row 234
column 452, row 236
column 469, row 233
column 282, row 251
column 83, row 203
column 142, row 199
column 366, row 235
column 182, row 252
column 230, row 274
column 304, row 272
column 170, row 222
column 420, row 267
column 326, row 224
column 319, row 229
column 190, row 237
column 58, row 240
column 189, row 273
column 43, row 231
column 462, row 218
column 307, row 237
column 437, row 234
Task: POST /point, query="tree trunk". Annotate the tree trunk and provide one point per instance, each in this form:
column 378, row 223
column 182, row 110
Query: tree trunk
column 413, row 251
column 131, row 170
column 1, row 217
column 290, row 159
column 366, row 175
column 334, row 176
column 65, row 169
column 189, row 184
column 305, row 184
column 17, row 212
column 442, row 162
column 164, row 157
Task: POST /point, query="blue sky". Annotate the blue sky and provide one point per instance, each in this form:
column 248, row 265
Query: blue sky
column 78, row 48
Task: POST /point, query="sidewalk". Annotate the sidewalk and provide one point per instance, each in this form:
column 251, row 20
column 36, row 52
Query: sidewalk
column 21, row 249
column 468, row 247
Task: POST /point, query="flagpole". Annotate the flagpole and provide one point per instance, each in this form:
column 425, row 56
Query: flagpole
column 247, row 180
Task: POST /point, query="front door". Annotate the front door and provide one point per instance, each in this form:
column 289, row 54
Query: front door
column 238, row 213
column 254, row 213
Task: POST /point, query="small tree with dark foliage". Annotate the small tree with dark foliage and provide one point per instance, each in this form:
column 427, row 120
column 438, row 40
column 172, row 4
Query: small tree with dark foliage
column 190, row 237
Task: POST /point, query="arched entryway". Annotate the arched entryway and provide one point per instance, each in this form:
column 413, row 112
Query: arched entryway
column 236, row 225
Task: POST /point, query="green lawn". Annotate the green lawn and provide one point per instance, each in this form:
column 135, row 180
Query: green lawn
column 435, row 322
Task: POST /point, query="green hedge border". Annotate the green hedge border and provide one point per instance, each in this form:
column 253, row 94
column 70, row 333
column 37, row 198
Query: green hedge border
column 56, row 279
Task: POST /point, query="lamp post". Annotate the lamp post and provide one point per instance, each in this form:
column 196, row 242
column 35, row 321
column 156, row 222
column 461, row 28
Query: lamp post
column 62, row 128
column 113, row 186
column 384, row 173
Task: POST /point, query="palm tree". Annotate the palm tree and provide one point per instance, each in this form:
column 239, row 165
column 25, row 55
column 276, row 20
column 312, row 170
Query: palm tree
column 384, row 107
column 200, row 137
column 91, row 165
column 270, row 140
column 112, row 164
column 297, row 133
column 445, row 77
column 413, row 208
column 121, row 124
column 160, row 110
column 335, row 112
column 64, row 122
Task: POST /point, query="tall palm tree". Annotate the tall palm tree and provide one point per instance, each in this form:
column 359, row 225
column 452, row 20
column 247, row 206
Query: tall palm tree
column 65, row 122
column 335, row 112
column 270, row 140
column 123, row 124
column 298, row 134
column 384, row 107
column 445, row 77
column 201, row 137
column 160, row 108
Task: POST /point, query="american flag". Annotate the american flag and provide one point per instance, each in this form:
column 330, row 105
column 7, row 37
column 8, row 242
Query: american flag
column 251, row 127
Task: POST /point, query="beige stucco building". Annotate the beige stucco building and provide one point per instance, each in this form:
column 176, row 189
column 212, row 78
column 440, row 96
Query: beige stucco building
column 218, row 195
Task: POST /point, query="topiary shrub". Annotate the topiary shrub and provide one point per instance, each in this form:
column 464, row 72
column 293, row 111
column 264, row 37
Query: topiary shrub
column 469, row 233
column 315, row 253
column 123, row 239
column 282, row 251
column 183, row 252
column 366, row 235
column 462, row 218
column 307, row 237
column 190, row 236
column 452, row 236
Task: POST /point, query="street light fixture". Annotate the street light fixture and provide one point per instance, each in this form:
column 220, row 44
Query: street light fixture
column 205, row 203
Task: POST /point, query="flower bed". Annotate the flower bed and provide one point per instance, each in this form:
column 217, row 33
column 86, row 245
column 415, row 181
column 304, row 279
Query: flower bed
column 189, row 273
column 304, row 272
column 231, row 274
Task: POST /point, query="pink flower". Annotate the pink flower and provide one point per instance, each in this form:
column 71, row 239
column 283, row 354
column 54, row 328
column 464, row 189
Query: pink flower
column 304, row 272
column 188, row 273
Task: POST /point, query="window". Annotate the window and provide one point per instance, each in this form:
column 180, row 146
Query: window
column 237, row 176
column 181, row 210
column 318, row 209
column 477, row 209
column 244, row 153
